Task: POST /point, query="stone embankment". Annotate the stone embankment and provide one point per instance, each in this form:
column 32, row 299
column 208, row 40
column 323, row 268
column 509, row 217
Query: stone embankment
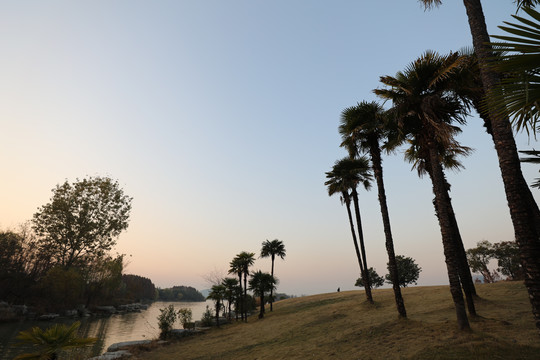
column 125, row 349
column 17, row 312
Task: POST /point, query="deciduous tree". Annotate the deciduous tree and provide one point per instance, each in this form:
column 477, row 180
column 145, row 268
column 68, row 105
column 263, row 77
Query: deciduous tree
column 479, row 258
column 83, row 219
column 408, row 270
column 507, row 255
column 374, row 279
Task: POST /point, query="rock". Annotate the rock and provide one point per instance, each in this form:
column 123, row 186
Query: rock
column 83, row 312
column 71, row 313
column 178, row 333
column 130, row 308
column 112, row 355
column 7, row 314
column 116, row 346
column 106, row 309
column 136, row 307
column 20, row 309
column 45, row 317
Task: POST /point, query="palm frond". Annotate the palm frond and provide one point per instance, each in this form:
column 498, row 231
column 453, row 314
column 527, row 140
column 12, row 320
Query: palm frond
column 429, row 4
column 518, row 95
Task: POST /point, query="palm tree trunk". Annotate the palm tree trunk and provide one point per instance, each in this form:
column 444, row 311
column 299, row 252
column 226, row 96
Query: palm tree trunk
column 442, row 201
column 355, row 242
column 272, row 289
column 261, row 312
column 392, row 265
column 523, row 208
column 367, row 284
column 464, row 270
column 245, row 297
column 240, row 301
column 217, row 313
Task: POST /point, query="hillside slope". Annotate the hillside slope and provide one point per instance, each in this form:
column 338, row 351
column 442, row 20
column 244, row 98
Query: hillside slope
column 343, row 326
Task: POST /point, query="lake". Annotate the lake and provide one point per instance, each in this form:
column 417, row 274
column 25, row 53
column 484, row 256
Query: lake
column 108, row 330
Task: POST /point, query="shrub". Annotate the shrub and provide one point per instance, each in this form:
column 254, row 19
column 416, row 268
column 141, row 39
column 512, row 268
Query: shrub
column 185, row 315
column 166, row 321
column 207, row 317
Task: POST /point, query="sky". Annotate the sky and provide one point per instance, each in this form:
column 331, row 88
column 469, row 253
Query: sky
column 220, row 119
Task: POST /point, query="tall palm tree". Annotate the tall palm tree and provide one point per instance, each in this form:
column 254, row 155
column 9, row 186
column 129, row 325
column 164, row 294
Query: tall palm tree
column 524, row 211
column 52, row 340
column 272, row 249
column 246, row 259
column 261, row 283
column 345, row 176
column 235, row 267
column 426, row 111
column 449, row 160
column 362, row 128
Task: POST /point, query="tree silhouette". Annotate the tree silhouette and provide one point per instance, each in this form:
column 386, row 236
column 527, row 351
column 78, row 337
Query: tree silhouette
column 261, row 283
column 272, row 249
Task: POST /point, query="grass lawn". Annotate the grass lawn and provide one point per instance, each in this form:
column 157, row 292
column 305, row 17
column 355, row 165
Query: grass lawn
column 344, row 326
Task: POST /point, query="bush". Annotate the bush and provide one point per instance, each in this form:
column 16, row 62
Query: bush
column 185, row 316
column 166, row 321
column 207, row 317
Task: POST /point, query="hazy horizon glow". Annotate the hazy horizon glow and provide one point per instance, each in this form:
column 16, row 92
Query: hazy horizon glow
column 220, row 120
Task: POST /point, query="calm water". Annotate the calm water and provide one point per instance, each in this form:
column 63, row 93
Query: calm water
column 109, row 330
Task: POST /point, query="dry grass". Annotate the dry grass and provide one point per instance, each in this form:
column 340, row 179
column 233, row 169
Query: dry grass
column 343, row 326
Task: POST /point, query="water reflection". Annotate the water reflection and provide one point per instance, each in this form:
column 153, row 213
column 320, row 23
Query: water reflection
column 108, row 330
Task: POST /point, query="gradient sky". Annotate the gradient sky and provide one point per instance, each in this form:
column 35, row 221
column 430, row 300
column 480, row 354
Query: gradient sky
column 220, row 119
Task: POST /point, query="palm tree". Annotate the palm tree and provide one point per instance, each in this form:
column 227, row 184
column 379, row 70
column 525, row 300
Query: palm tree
column 246, row 259
column 425, row 110
column 361, row 129
column 345, row 176
column 217, row 294
column 52, row 340
column 235, row 267
column 272, row 249
column 449, row 160
column 524, row 211
column 261, row 283
column 232, row 290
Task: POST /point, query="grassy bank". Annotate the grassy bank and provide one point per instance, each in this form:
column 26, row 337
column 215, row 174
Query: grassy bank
column 343, row 326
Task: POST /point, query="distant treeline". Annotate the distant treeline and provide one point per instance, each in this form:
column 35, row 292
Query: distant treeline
column 282, row 296
column 180, row 293
column 138, row 287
